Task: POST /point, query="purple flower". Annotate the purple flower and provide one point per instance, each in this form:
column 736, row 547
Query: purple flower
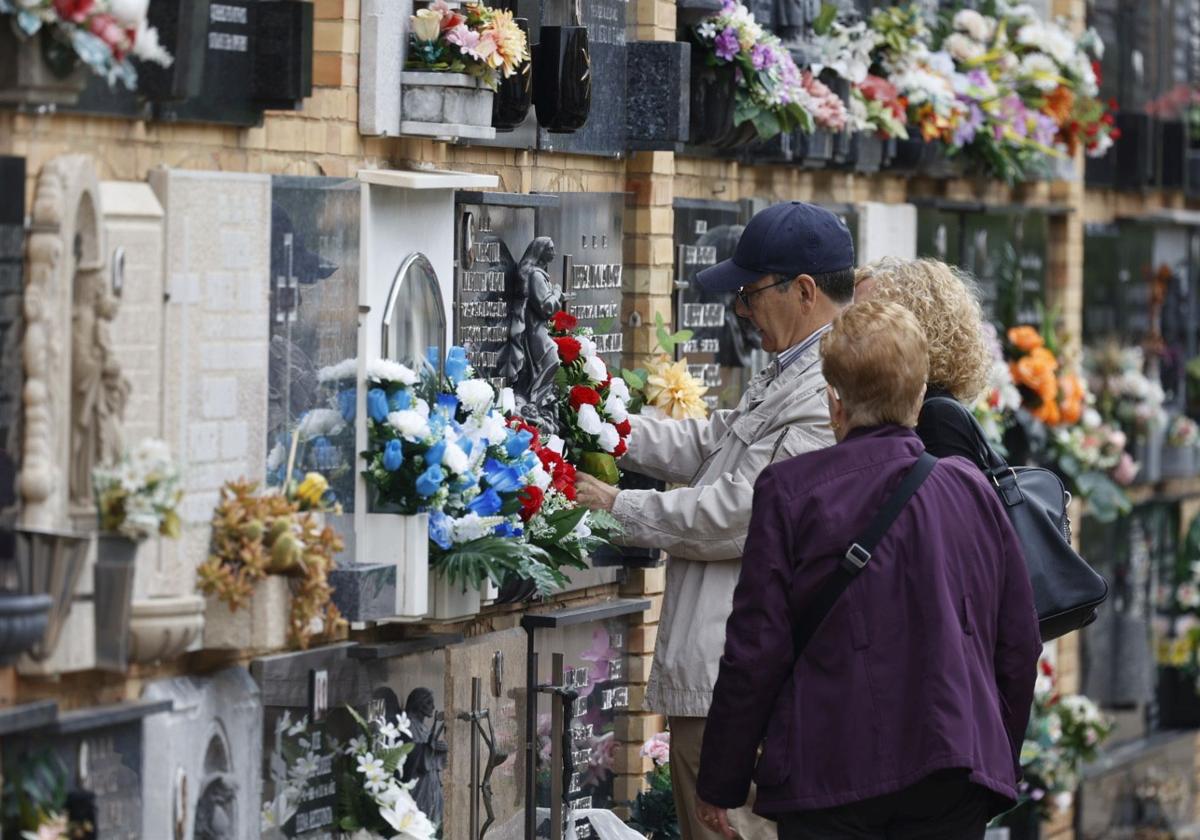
column 762, row 56
column 978, row 78
column 969, row 126
column 726, row 44
column 1045, row 129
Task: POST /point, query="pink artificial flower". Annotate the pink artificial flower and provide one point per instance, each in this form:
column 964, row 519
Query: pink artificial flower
column 1126, row 471
column 106, row 28
column 75, row 11
column 658, row 749
column 465, row 38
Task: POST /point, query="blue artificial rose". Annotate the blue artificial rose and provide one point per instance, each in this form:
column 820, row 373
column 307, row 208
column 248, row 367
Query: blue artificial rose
column 435, row 453
column 437, row 424
column 440, row 531
column 529, row 461
column 487, row 503
column 348, row 404
column 447, row 404
column 517, row 443
column 456, row 364
column 430, row 481
column 393, row 456
column 400, row 400
column 502, row 478
column 464, row 482
column 377, row 404
column 507, row 529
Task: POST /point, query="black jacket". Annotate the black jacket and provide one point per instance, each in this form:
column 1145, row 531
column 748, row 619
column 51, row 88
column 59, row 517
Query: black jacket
column 945, row 430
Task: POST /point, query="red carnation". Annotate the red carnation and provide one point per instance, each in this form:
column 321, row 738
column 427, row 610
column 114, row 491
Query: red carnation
column 582, row 394
column 531, row 501
column 521, row 426
column 568, row 349
column 623, row 429
column 564, row 321
column 1047, row 668
column 620, row 450
column 550, row 460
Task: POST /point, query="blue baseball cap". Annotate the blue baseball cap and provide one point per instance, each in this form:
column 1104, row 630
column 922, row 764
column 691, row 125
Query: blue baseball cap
column 786, row 239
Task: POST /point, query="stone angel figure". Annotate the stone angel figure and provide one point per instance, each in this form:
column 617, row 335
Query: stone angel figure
column 428, row 757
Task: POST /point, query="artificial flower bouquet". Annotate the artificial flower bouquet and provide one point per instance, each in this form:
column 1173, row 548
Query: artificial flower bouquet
column 139, row 495
column 256, row 534
column 653, row 812
column 844, row 49
column 1124, row 393
column 1064, row 732
column 770, row 91
column 373, row 799
column 497, row 497
column 996, row 406
column 477, row 40
column 594, row 411
column 104, row 34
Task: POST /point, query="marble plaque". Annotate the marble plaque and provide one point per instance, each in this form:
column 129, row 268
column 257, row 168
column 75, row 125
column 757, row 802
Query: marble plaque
column 1006, row 253
column 596, row 669
column 314, row 328
column 587, row 230
column 492, row 231
column 719, row 351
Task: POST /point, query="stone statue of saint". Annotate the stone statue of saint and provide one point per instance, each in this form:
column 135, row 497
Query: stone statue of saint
column 428, row 757
column 99, row 391
column 529, row 359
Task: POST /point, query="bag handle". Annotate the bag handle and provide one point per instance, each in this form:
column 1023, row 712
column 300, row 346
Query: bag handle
column 859, row 554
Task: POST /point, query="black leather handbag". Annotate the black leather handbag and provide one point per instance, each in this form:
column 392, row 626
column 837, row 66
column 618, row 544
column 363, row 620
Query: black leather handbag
column 1066, row 590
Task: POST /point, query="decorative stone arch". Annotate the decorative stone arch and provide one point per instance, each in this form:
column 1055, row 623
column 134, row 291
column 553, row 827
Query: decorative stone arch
column 217, row 805
column 74, row 393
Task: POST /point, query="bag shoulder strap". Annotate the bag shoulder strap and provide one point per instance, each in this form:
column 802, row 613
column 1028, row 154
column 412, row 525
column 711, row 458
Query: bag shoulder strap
column 859, row 554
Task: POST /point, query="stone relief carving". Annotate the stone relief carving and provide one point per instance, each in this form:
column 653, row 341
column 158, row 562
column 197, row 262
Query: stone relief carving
column 74, row 391
column 529, row 359
column 428, row 757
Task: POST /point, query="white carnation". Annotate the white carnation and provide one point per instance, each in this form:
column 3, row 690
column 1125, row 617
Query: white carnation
column 555, row 444
column 508, row 401
column 421, row 407
column 387, row 370
column 619, row 388
column 476, row 395
column 455, row 459
column 493, row 428
column 473, row 526
column 974, row 24
column 321, row 421
column 609, row 437
column 587, row 347
column 595, row 368
column 614, row 407
column 540, row 478
column 345, row 369
column 964, row 48
column 589, row 420
column 410, row 424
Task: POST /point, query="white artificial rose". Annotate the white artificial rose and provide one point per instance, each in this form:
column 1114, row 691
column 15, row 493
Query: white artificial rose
column 963, row 48
column 609, row 437
column 389, row 371
column 508, row 401
column 555, row 444
column 589, row 420
column 476, row 395
column 455, row 459
column 410, row 424
column 619, row 388
column 421, row 407
column 595, row 368
column 614, row 407
column 539, row 478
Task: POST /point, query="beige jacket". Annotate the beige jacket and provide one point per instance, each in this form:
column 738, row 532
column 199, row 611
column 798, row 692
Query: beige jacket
column 703, row 526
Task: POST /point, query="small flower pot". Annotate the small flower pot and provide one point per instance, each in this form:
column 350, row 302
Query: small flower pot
column 50, row 563
column 160, row 629
column 23, row 620
column 713, row 92
column 867, row 152
column 1148, row 452
column 37, row 70
column 445, row 105
column 514, row 95
column 562, row 78
column 813, row 150
column 260, row 624
column 452, row 601
column 391, row 538
column 115, row 562
column 1179, row 462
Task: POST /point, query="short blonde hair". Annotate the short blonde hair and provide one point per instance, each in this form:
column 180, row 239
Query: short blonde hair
column 876, row 358
column 946, row 303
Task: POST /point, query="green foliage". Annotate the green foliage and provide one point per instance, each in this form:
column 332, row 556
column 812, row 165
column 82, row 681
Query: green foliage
column 491, row 558
column 825, row 19
column 653, row 812
column 34, row 791
column 1106, row 500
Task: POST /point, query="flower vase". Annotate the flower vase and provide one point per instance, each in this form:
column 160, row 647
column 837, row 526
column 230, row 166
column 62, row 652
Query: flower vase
column 38, row 70
column 1178, row 461
column 867, row 150
column 434, row 104
column 1148, row 452
column 403, row 541
column 162, row 628
column 23, row 621
column 50, row 563
column 562, row 78
column 514, row 95
column 713, row 93
column 116, row 558
column 452, row 601
column 814, row 150
column 260, row 624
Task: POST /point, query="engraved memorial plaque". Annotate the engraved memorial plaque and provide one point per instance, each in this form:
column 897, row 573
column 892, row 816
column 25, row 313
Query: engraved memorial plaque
column 587, row 230
column 314, row 329
column 492, row 231
column 719, row 351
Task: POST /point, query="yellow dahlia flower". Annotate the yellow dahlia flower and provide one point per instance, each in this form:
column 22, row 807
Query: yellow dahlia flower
column 674, row 391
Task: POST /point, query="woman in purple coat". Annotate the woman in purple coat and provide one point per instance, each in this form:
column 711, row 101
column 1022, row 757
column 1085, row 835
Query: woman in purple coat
column 903, row 716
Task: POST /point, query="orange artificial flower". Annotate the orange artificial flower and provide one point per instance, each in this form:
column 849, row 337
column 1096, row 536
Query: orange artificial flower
column 1060, row 104
column 1071, row 388
column 1048, row 413
column 1036, row 372
column 1025, row 338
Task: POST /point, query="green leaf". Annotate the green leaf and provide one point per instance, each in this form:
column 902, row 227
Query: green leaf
column 635, row 379
column 1106, row 501
column 664, row 337
column 605, row 326
column 547, row 580
column 602, row 520
column 766, row 124
column 825, row 19
column 564, row 521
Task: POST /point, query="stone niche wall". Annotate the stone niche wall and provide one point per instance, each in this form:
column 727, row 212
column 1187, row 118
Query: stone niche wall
column 216, row 335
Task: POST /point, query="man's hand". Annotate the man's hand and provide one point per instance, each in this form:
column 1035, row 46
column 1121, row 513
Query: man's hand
column 715, row 818
column 593, row 493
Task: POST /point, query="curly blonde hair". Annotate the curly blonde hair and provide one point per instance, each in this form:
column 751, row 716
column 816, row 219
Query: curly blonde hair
column 946, row 303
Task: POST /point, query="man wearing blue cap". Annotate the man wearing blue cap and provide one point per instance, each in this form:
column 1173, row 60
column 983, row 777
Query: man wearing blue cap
column 792, row 272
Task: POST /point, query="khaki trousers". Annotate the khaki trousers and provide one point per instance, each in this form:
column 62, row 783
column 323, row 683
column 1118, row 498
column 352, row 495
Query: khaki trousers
column 687, row 735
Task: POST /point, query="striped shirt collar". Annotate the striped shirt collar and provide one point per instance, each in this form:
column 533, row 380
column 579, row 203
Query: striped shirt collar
column 797, row 350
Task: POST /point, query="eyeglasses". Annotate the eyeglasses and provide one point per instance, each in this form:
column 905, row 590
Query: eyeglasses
column 744, row 296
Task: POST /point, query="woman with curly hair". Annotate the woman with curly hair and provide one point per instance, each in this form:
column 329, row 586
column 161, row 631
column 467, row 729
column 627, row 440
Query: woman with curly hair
column 946, row 305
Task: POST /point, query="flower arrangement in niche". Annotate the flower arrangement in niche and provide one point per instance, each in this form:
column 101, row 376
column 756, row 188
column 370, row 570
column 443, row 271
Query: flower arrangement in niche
column 1183, row 432
column 255, row 534
column 594, row 410
column 373, row 800
column 478, row 40
column 653, row 811
column 103, row 34
column 139, row 495
column 1124, row 393
column 33, row 799
column 769, row 88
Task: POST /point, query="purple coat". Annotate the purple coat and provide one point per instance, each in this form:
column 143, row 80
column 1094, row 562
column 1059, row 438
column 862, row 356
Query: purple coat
column 926, row 662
